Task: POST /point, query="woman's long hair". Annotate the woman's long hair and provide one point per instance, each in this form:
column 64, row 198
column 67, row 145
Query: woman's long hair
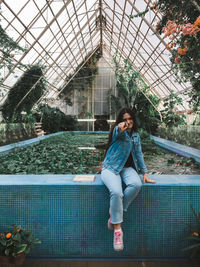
column 118, row 120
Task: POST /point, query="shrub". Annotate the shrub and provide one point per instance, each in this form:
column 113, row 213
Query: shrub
column 101, row 125
column 54, row 120
column 24, row 94
column 14, row 132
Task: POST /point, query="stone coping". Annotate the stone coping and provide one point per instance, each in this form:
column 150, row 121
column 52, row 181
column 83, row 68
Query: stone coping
column 179, row 149
column 67, row 179
column 4, row 150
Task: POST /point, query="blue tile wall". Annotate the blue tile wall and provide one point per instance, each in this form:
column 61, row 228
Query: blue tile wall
column 71, row 218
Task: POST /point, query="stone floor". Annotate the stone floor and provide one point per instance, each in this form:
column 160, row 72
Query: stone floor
column 44, row 263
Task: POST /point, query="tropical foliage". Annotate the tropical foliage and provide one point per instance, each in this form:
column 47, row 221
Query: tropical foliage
column 7, row 46
column 132, row 92
column 53, row 119
column 15, row 132
column 194, row 236
column 83, row 78
column 24, row 94
column 170, row 117
column 182, row 134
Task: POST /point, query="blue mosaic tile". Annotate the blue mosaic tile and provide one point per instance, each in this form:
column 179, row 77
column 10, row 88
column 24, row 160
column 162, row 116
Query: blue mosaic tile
column 71, row 218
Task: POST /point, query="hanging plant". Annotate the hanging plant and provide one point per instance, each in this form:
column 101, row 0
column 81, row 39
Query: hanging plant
column 7, row 47
column 180, row 22
column 24, row 94
column 84, row 78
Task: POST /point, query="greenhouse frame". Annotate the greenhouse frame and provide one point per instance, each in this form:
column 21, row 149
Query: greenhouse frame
column 91, row 90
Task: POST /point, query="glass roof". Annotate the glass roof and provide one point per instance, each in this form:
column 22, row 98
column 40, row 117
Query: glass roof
column 61, row 33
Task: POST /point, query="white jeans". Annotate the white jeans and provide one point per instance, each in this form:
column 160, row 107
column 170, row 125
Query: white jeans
column 119, row 200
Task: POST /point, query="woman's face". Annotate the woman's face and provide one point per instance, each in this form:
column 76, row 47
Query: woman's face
column 128, row 120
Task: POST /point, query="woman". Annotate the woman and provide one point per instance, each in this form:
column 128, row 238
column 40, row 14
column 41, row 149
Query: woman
column 122, row 160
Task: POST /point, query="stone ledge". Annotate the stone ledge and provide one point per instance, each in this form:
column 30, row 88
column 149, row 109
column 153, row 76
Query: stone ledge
column 179, row 149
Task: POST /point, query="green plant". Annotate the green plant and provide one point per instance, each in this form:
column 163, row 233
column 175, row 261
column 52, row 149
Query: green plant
column 132, row 91
column 15, row 132
column 7, row 46
column 54, row 120
column 83, row 78
column 24, row 94
column 148, row 144
column 170, row 118
column 16, row 240
column 194, row 236
column 180, row 22
column 101, row 124
column 188, row 135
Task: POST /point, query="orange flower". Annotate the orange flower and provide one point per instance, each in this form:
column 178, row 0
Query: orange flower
column 197, row 22
column 8, row 235
column 182, row 51
column 171, row 28
column 168, row 47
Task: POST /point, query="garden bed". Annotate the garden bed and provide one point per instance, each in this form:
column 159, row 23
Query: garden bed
column 71, row 153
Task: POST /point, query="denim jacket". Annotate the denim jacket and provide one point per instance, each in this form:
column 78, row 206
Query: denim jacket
column 121, row 146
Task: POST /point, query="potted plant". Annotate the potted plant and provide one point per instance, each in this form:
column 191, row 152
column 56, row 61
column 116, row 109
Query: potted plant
column 194, row 237
column 15, row 243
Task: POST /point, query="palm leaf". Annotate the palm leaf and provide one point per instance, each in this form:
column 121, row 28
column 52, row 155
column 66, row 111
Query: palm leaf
column 191, row 247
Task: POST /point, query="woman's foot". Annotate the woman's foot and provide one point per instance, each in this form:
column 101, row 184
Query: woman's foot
column 118, row 240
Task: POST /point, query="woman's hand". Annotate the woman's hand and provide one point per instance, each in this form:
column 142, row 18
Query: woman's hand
column 123, row 126
column 146, row 179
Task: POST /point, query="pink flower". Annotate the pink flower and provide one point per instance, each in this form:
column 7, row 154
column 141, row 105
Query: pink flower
column 187, row 29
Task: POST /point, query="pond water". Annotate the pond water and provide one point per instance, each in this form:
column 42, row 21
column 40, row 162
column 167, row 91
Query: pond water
column 70, row 153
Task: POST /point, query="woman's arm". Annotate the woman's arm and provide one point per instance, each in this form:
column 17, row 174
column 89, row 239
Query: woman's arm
column 141, row 163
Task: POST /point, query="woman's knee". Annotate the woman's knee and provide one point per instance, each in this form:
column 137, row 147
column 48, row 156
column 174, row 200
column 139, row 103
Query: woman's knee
column 136, row 185
column 116, row 194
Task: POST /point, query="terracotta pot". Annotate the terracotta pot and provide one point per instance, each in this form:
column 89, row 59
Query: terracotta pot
column 17, row 261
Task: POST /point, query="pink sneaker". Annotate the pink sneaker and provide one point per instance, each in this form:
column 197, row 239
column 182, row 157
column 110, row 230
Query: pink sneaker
column 118, row 240
column 110, row 225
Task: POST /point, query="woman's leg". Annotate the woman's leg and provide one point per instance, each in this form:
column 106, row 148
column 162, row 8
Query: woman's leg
column 114, row 184
column 133, row 185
